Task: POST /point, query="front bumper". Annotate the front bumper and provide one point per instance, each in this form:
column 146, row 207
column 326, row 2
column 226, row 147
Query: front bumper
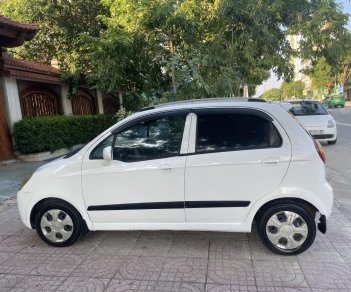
column 24, row 207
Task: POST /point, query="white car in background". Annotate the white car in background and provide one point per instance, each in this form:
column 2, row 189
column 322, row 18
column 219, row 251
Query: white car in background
column 316, row 119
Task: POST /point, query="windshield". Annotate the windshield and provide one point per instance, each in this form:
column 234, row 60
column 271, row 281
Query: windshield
column 307, row 108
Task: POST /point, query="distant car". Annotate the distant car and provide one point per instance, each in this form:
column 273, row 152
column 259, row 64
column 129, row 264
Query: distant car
column 334, row 101
column 316, row 119
column 201, row 165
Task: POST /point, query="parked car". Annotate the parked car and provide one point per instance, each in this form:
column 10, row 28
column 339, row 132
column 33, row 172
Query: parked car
column 206, row 165
column 334, row 101
column 316, row 119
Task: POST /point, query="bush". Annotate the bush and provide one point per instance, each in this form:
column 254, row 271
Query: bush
column 50, row 133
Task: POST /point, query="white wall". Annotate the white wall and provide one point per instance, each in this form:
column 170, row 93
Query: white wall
column 99, row 100
column 66, row 102
column 12, row 101
column 120, row 96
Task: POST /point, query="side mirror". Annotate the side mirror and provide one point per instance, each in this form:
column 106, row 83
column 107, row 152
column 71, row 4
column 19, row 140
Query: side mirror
column 107, row 153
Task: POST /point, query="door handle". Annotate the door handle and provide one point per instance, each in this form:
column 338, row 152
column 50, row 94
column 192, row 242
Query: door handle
column 270, row 161
column 166, row 168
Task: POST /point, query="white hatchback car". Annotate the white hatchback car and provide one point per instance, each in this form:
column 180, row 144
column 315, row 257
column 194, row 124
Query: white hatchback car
column 214, row 165
column 316, row 119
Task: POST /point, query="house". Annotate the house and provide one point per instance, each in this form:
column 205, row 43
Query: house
column 29, row 89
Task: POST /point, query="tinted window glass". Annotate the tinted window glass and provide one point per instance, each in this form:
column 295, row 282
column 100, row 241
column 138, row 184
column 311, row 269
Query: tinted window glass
column 97, row 152
column 307, row 108
column 148, row 140
column 228, row 132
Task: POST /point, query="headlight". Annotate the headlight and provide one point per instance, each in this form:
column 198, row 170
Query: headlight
column 331, row 124
column 25, row 180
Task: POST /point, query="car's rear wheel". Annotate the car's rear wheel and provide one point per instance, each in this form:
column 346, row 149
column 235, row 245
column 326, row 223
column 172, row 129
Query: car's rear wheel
column 58, row 224
column 287, row 229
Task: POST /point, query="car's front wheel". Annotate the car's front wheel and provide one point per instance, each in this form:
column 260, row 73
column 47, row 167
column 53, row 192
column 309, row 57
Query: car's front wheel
column 58, row 224
column 287, row 229
column 332, row 142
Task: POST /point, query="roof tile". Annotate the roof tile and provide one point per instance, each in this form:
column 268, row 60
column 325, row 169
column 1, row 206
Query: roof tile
column 18, row 25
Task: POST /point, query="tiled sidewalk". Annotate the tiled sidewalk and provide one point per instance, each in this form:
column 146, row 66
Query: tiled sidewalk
column 170, row 261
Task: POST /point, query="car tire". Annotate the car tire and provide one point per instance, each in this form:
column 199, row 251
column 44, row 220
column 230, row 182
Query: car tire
column 332, row 142
column 58, row 223
column 287, row 229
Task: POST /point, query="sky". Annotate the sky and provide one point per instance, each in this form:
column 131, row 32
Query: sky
column 273, row 82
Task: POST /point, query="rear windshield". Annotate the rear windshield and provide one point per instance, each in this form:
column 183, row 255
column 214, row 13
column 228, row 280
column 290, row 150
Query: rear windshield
column 307, row 108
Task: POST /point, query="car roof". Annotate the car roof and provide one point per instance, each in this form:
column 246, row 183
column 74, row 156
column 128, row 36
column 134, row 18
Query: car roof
column 226, row 102
column 207, row 103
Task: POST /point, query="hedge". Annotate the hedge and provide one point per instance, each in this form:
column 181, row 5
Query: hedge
column 50, row 133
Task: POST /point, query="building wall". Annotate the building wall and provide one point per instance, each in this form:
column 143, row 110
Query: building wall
column 12, row 100
column 12, row 95
column 23, row 84
column 298, row 63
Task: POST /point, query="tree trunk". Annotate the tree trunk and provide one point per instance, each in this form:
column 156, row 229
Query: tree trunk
column 173, row 74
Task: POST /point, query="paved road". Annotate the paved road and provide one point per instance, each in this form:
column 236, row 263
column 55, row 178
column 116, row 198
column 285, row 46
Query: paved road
column 12, row 175
column 339, row 160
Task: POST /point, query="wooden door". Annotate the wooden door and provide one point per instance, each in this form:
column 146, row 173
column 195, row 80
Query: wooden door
column 38, row 101
column 110, row 104
column 83, row 104
column 6, row 151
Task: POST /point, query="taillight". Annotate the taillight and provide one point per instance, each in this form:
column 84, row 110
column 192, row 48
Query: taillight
column 320, row 150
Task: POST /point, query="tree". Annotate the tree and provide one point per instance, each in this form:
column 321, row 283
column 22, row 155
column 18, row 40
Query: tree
column 178, row 49
column 322, row 26
column 292, row 89
column 343, row 71
column 62, row 24
column 272, row 94
column 322, row 74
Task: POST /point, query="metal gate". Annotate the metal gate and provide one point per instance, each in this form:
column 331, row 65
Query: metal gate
column 83, row 104
column 39, row 102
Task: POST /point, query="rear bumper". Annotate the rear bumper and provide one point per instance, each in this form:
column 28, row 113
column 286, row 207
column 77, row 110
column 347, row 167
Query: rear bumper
column 321, row 196
column 322, row 225
column 323, row 134
column 324, row 137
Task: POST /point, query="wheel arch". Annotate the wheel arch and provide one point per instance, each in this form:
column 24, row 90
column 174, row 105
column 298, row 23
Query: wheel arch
column 40, row 203
column 297, row 201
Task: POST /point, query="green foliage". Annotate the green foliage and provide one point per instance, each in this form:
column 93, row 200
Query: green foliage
column 322, row 73
column 271, row 94
column 292, row 89
column 343, row 71
column 122, row 114
column 51, row 133
column 62, row 24
column 179, row 49
column 324, row 33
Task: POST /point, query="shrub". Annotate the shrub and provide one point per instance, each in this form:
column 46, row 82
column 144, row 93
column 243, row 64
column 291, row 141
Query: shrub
column 50, row 133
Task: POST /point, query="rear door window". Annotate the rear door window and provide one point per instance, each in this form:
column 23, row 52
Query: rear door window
column 231, row 132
